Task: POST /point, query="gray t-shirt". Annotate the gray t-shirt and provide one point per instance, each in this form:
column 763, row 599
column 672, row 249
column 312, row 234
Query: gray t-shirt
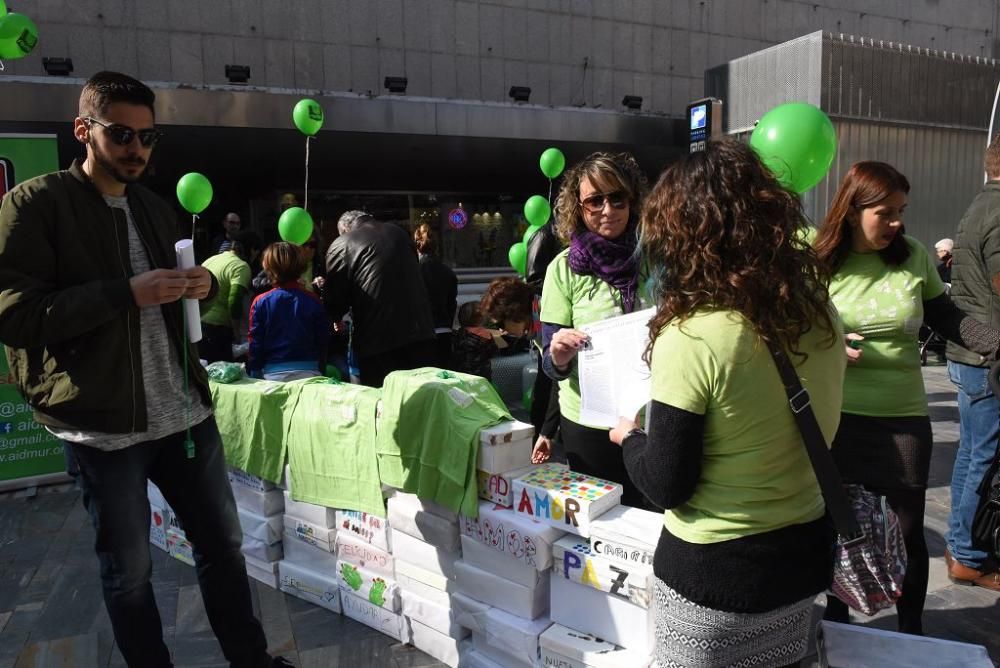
column 161, row 370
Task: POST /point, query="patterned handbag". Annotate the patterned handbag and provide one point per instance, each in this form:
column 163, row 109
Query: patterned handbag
column 870, row 554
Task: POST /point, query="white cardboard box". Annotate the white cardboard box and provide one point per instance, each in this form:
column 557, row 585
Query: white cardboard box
column 318, row 588
column 415, row 501
column 355, row 551
column 526, row 602
column 408, row 515
column 376, row 589
column 515, row 535
column 258, row 549
column 442, row 647
column 179, row 546
column 605, row 616
column 497, row 487
column 426, row 555
column 573, row 559
column 320, row 537
column 159, row 522
column 378, row 618
column 516, row 636
column 432, row 586
column 568, row 648
column 473, row 659
column 441, row 618
column 506, row 432
column 263, row 571
column 308, row 556
column 321, row 516
column 504, row 457
column 496, row 654
column 265, row 529
column 155, row 496
column 852, row 646
column 370, row 528
column 487, row 559
column 262, row 503
column 565, row 499
column 626, row 535
column 256, row 483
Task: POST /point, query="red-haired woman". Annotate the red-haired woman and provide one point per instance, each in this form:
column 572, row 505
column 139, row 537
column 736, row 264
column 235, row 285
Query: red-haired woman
column 885, row 284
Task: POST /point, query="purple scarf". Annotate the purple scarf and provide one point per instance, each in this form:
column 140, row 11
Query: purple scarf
column 612, row 261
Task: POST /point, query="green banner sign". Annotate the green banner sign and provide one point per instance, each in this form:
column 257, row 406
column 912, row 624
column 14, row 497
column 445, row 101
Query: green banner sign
column 27, row 450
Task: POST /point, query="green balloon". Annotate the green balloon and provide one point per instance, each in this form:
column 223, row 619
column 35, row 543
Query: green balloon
column 528, row 233
column 552, row 162
column 308, row 116
column 194, row 192
column 797, row 142
column 537, row 210
column 3, row 8
column 18, row 36
column 295, row 225
column 518, row 256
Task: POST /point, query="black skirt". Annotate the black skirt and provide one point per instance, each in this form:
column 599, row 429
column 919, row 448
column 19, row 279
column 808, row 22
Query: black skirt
column 884, row 452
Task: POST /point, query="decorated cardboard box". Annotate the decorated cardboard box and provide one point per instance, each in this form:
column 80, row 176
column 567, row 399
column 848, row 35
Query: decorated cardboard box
column 302, row 553
column 431, row 586
column 265, row 572
column 506, row 433
column 515, row 636
column 626, row 535
column 441, row 618
column 265, row 529
column 567, row 500
column 254, row 482
column 258, row 549
column 318, row 588
column 159, row 522
column 382, row 620
column 504, row 457
column 355, row 551
column 854, row 646
column 261, row 503
column 321, row 516
column 611, row 618
column 442, row 647
column 407, row 514
column 369, row 528
column 179, row 547
column 487, row 559
column 155, row 496
column 496, row 654
column 377, row 589
column 573, row 559
column 515, row 535
column 498, row 488
column 526, row 602
column 429, row 557
column 325, row 539
column 563, row 647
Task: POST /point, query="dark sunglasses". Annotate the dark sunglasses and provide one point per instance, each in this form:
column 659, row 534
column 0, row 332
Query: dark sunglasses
column 595, row 203
column 123, row 135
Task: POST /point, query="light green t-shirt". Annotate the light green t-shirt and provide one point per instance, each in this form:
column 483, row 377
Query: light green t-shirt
column 885, row 305
column 755, row 474
column 229, row 270
column 571, row 300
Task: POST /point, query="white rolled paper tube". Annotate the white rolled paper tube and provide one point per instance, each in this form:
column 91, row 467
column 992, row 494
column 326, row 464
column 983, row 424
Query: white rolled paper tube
column 185, row 260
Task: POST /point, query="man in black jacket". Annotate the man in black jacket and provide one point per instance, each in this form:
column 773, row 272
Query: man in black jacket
column 91, row 316
column 372, row 270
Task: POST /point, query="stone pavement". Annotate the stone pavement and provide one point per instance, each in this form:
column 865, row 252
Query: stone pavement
column 52, row 614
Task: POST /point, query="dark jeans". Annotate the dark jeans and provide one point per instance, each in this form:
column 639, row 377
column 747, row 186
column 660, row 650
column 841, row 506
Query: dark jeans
column 374, row 368
column 114, row 493
column 216, row 343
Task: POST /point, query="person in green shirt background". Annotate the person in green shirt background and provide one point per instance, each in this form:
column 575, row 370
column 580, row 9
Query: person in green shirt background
column 884, row 284
column 222, row 318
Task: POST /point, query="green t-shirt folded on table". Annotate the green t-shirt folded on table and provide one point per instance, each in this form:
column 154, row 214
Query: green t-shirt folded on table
column 427, row 435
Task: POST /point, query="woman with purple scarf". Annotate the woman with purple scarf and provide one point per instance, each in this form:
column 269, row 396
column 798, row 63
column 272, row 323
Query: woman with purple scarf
column 596, row 278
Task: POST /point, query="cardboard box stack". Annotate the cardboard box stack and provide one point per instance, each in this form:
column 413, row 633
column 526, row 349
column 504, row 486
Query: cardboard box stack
column 426, row 547
column 309, row 569
column 159, row 517
column 504, row 454
column 260, row 506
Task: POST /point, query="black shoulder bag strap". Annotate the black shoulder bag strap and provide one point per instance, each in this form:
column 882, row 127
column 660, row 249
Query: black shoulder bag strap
column 822, row 462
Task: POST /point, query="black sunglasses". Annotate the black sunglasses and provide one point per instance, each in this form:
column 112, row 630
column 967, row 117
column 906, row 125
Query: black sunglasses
column 595, row 203
column 123, row 135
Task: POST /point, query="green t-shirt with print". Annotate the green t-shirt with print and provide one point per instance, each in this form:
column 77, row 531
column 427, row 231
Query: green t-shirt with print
column 755, row 473
column 572, row 300
column 230, row 271
column 885, row 305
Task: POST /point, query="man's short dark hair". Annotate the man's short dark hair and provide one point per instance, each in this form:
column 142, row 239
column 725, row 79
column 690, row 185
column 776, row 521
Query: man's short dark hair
column 106, row 88
column 992, row 159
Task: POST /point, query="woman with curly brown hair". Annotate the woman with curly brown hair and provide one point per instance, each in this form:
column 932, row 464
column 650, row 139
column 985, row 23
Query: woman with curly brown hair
column 745, row 547
column 597, row 277
column 885, row 285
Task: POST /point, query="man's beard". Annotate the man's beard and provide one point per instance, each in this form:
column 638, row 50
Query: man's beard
column 109, row 166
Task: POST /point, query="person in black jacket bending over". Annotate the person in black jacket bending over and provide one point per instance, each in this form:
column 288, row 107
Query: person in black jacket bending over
column 372, row 270
column 91, row 316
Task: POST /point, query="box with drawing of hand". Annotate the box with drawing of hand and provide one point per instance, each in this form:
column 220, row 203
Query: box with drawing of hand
column 567, row 500
column 376, row 589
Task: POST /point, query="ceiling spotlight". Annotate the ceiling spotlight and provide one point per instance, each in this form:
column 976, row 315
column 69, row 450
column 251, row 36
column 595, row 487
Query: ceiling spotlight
column 58, row 67
column 519, row 93
column 396, row 84
column 238, row 74
column 633, row 102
